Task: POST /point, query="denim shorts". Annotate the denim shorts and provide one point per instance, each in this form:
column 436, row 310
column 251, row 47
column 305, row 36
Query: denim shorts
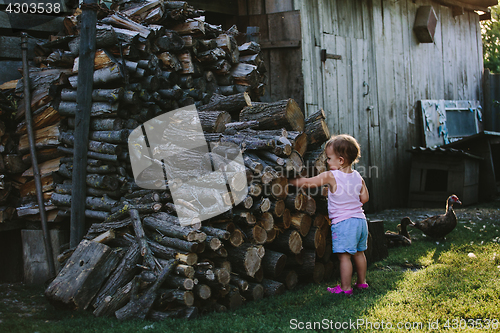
column 350, row 235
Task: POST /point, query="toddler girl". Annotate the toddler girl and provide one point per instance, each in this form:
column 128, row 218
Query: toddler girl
column 346, row 196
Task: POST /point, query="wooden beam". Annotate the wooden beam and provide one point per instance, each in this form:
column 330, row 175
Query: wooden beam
column 84, row 105
column 229, row 7
column 464, row 5
column 279, row 44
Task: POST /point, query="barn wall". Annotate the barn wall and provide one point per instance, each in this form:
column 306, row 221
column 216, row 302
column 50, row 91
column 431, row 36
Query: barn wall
column 381, row 53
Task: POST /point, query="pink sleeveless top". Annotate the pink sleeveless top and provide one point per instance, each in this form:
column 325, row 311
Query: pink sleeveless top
column 345, row 203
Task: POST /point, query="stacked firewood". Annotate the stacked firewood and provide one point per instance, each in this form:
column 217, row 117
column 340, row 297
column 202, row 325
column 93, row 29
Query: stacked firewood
column 141, row 262
column 151, row 58
column 10, row 163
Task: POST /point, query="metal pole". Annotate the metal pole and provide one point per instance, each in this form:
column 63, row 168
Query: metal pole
column 34, row 161
column 82, row 120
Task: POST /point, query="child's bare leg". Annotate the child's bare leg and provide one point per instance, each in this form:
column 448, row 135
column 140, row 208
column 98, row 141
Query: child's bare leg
column 345, row 270
column 360, row 262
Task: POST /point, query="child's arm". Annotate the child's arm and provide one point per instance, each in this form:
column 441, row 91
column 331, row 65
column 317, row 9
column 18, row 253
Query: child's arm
column 323, row 178
column 364, row 196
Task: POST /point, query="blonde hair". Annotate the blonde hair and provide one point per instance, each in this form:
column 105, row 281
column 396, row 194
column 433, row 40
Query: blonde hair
column 345, row 146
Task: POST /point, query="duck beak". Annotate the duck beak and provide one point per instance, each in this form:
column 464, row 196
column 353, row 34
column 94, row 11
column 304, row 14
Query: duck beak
column 459, row 202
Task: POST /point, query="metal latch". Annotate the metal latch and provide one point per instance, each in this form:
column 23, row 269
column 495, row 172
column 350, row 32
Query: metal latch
column 325, row 55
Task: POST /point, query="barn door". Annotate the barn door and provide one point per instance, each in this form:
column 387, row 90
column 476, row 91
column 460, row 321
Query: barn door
column 346, row 90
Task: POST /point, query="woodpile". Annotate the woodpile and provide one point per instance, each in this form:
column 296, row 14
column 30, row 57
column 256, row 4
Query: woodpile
column 153, row 267
column 137, row 260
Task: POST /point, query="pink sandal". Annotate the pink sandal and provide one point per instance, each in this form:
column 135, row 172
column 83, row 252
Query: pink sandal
column 361, row 285
column 338, row 290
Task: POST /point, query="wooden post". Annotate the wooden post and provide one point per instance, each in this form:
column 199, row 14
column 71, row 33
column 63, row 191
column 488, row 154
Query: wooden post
column 82, row 121
column 34, row 161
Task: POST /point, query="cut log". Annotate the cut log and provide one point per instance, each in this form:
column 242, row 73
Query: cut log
column 299, row 141
column 232, row 104
column 82, row 276
column 140, row 237
column 285, row 113
column 273, row 263
column 119, row 278
column 301, row 222
column 174, row 230
column 173, row 242
column 273, row 288
column 266, row 221
column 98, row 124
column 98, row 95
column 245, row 74
column 245, row 259
column 284, row 221
column 316, row 129
column 255, row 234
column 46, row 137
column 239, row 282
column 214, row 121
column 254, row 292
column 288, row 241
column 288, row 277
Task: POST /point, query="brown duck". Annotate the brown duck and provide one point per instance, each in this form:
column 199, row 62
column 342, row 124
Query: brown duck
column 402, row 237
column 440, row 225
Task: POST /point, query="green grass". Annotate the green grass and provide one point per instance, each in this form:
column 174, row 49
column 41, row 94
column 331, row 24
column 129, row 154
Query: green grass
column 427, row 282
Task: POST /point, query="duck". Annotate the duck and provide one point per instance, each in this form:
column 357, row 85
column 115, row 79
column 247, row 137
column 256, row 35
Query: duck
column 402, row 237
column 440, row 225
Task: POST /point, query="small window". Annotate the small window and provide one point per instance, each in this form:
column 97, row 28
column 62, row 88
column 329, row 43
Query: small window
column 436, row 180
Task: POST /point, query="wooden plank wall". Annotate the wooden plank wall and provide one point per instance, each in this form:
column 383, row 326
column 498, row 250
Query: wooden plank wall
column 278, row 23
column 378, row 48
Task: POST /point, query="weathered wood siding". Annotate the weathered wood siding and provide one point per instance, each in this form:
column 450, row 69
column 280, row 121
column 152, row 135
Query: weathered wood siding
column 372, row 92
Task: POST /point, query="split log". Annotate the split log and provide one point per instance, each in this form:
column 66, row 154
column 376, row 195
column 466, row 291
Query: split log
column 101, row 76
column 119, row 278
column 187, row 313
column 316, row 129
column 249, row 48
column 82, row 276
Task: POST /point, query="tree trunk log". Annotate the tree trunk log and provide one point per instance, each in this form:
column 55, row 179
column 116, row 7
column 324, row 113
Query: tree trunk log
column 273, row 263
column 288, row 241
column 245, row 259
column 284, row 113
column 273, row 288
